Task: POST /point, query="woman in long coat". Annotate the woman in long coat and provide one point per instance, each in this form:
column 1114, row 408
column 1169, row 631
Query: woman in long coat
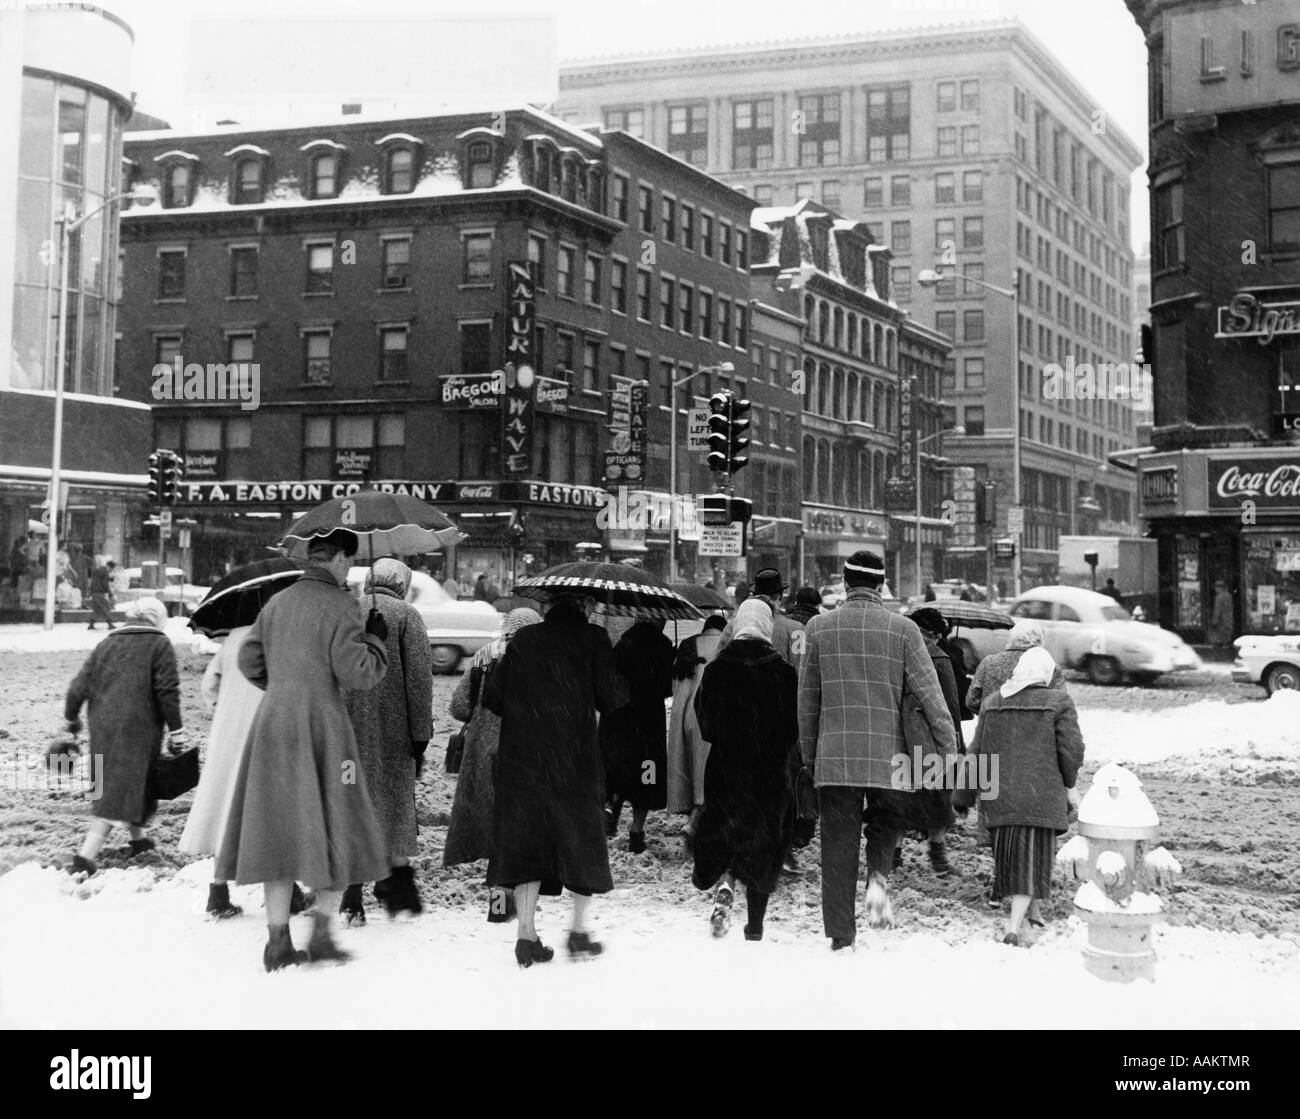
column 393, row 722
column 233, row 702
column 132, row 687
column 1031, row 731
column 633, row 739
column 469, row 835
column 747, row 706
column 996, row 669
column 301, row 809
column 549, row 823
column 688, row 750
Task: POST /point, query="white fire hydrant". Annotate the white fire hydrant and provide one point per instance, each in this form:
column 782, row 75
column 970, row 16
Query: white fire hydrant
column 1116, row 823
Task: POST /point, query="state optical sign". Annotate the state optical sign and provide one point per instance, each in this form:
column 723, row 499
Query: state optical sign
column 1231, row 57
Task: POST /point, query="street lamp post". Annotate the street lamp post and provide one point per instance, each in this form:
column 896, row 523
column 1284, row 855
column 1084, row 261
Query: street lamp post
column 916, row 474
column 722, row 367
column 928, row 278
column 67, row 227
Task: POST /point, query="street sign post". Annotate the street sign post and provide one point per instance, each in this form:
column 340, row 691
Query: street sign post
column 1015, row 520
column 722, row 540
column 697, row 430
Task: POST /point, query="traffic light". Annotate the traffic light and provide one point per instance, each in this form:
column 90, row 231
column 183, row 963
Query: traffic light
column 728, row 423
column 155, row 478
column 986, row 503
column 173, row 472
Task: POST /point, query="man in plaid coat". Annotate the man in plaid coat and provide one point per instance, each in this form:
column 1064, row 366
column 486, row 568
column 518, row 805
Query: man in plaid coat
column 858, row 662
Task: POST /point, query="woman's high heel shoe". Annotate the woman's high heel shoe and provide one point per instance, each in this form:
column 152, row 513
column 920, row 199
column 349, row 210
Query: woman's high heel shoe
column 529, row 952
column 580, row 946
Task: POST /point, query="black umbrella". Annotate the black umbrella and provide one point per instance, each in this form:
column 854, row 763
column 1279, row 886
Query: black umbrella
column 706, row 598
column 239, row 597
column 972, row 615
column 618, row 590
column 388, row 524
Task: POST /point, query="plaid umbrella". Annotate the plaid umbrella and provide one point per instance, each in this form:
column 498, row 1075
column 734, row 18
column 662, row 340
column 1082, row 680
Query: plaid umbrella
column 239, row 597
column 388, row 524
column 618, row 590
column 972, row 615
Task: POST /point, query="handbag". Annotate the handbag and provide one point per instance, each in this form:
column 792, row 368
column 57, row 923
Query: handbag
column 171, row 775
column 456, row 742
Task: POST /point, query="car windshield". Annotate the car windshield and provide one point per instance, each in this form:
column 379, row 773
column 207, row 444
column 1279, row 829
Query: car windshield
column 1115, row 614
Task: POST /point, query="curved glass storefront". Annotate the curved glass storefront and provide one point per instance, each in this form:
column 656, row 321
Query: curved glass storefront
column 69, row 162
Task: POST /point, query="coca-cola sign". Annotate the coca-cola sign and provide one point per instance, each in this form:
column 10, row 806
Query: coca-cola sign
column 1271, row 483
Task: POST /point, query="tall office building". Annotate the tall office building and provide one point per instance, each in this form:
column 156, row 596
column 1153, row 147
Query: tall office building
column 968, row 144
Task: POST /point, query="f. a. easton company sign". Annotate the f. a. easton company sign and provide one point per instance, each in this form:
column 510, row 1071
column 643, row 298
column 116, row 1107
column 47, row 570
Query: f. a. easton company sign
column 1271, row 483
column 306, row 493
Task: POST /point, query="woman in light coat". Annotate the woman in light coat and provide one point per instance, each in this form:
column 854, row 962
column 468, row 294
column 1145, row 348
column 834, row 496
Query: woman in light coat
column 687, row 750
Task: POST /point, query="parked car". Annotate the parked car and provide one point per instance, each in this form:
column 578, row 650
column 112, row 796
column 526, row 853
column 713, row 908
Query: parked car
column 1091, row 632
column 1270, row 660
column 179, row 596
column 456, row 629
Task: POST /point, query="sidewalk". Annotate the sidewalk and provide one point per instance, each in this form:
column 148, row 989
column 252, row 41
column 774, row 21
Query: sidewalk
column 66, row 637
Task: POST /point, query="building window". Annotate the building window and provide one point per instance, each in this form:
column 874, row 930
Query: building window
column 945, row 322
column 900, row 190
column 889, row 123
column 819, row 138
column 972, row 326
column 166, row 348
column 973, row 372
column 945, row 187
column 324, row 176
column 706, row 315
column 631, row 121
column 591, row 280
column 248, row 182
column 873, row 193
column 686, row 308
column 688, row 133
column 564, row 265
column 478, row 258
column 945, row 140
column 475, row 348
column 482, row 173
column 970, row 139
column 380, row 439
column 316, row 357
column 643, row 294
column 970, row 96
column 688, row 226
column 590, row 365
column 171, row 275
column 320, row 269
column 392, row 353
column 831, row 193
column 668, row 218
column 946, row 101
column 751, row 134
column 564, row 350
column 902, row 281
column 970, row 272
column 945, row 230
column 900, row 236
column 763, row 194
column 645, row 207
column 742, row 250
column 618, row 286
column 666, row 305
column 724, row 242
column 399, row 171
column 742, row 326
column 706, row 235
column 724, row 321
column 537, row 256
column 972, row 186
column 972, row 232
column 1283, row 208
column 973, row 419
column 243, row 272
column 1169, row 226
column 239, row 348
column 395, row 253
column 176, row 186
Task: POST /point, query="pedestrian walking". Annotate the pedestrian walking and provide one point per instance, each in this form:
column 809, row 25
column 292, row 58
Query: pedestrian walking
column 858, row 662
column 549, row 825
column 470, row 832
column 131, row 689
column 300, row 808
column 633, row 740
column 102, row 595
column 688, row 749
column 787, row 632
column 807, row 605
column 1030, row 732
column 747, row 706
column 1112, row 591
column 996, row 669
column 393, row 722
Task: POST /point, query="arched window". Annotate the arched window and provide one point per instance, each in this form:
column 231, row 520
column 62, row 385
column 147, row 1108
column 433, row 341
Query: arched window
column 864, row 400
column 864, row 480
column 809, row 315
column 841, row 476
column 823, row 323
column 891, row 348
column 877, row 404
column 809, row 468
column 889, row 409
column 838, row 341
column 248, row 182
column 399, row 171
column 851, row 344
column 176, row 186
column 324, row 176
column 809, row 385
column 823, row 405
column 877, row 348
column 837, row 401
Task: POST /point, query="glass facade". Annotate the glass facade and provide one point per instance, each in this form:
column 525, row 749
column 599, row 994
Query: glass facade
column 69, row 162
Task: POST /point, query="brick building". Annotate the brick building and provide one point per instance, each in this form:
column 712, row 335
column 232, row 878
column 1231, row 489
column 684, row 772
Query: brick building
column 1221, row 488
column 361, row 267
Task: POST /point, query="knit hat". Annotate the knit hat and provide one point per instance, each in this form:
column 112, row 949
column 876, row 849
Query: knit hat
column 864, row 563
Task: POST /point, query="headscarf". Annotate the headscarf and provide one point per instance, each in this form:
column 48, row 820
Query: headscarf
column 147, row 611
column 390, row 575
column 1034, row 669
column 511, row 624
column 754, row 620
column 1025, row 635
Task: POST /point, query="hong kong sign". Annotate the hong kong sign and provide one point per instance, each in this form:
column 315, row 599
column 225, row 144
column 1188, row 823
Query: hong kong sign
column 520, row 372
column 1271, row 483
column 1246, row 317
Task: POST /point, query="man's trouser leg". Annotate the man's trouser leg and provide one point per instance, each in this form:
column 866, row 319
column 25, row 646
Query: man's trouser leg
column 841, row 827
column 884, row 829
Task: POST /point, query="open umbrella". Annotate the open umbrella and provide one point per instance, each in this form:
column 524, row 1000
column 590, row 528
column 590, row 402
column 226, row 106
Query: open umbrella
column 388, row 524
column 972, row 615
column 619, row 591
column 706, row 598
column 239, row 597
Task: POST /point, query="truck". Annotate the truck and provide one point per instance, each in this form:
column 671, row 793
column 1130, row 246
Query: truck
column 1129, row 560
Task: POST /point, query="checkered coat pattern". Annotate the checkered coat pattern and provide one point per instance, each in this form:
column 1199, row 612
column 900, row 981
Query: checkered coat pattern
column 857, row 661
